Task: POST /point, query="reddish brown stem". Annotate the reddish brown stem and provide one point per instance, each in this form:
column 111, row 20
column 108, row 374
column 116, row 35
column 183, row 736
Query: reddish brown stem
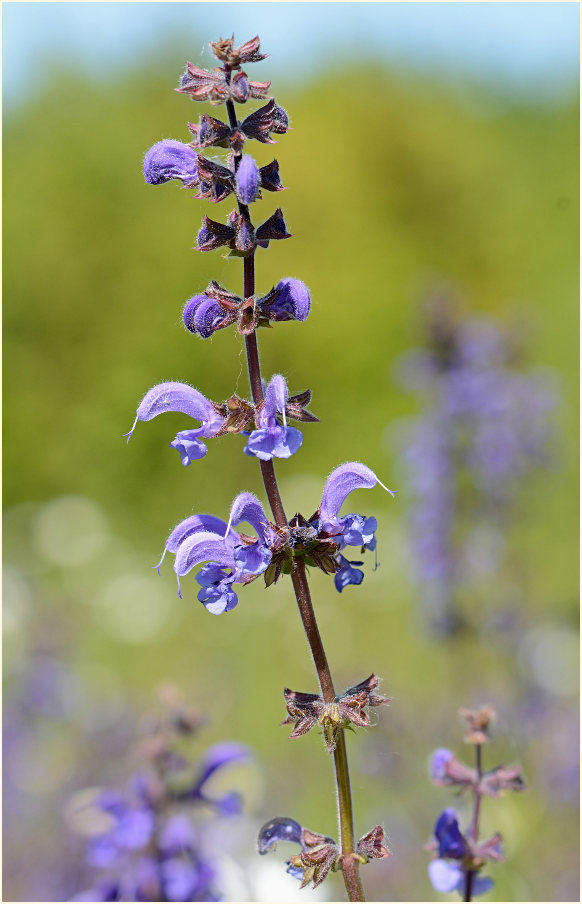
column 349, row 861
column 475, row 821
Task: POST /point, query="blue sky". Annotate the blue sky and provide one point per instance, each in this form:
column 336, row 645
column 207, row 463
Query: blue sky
column 528, row 47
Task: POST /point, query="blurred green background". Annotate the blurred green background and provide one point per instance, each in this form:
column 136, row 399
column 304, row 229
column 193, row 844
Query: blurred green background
column 397, row 181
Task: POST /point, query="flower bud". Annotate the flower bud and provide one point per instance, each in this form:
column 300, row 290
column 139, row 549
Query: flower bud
column 248, row 180
column 168, row 160
column 189, row 311
column 206, row 317
column 293, row 301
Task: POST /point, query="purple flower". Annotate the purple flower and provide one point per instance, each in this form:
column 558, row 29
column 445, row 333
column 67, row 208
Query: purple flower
column 451, row 842
column 351, row 530
column 187, row 400
column 444, row 875
column 359, row 531
column 438, row 762
column 447, row 877
column 292, row 303
column 230, row 558
column 248, row 180
column 272, row 439
column 216, row 593
column 131, row 829
column 177, row 835
column 169, row 160
column 217, row 757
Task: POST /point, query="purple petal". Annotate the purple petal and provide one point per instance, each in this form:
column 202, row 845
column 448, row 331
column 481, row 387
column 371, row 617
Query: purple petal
column 275, row 400
column 203, row 547
column 102, row 852
column 207, row 316
column 219, row 755
column 296, row 871
column 135, row 829
column 246, row 507
column 448, row 835
column 219, row 598
column 347, row 575
column 177, row 835
column 189, row 446
column 438, row 761
column 248, row 180
column 192, row 525
column 168, row 160
column 481, row 885
column 274, row 442
column 180, row 879
column 359, row 531
column 190, row 309
column 251, row 560
column 445, row 876
column 340, row 483
column 178, row 397
column 280, row 829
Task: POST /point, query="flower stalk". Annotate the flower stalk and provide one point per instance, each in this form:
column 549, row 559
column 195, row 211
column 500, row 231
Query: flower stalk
column 477, row 795
column 282, row 546
column 350, row 865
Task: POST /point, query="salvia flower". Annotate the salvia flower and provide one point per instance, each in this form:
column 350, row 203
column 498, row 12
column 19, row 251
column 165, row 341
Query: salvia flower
column 457, row 856
column 169, row 159
column 318, row 541
column 272, row 439
column 180, row 397
column 319, row 853
column 486, row 427
column 151, row 844
column 349, row 530
column 229, row 557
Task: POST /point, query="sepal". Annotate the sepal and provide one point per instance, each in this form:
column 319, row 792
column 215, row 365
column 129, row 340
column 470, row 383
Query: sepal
column 371, row 847
column 226, row 52
column 271, row 229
